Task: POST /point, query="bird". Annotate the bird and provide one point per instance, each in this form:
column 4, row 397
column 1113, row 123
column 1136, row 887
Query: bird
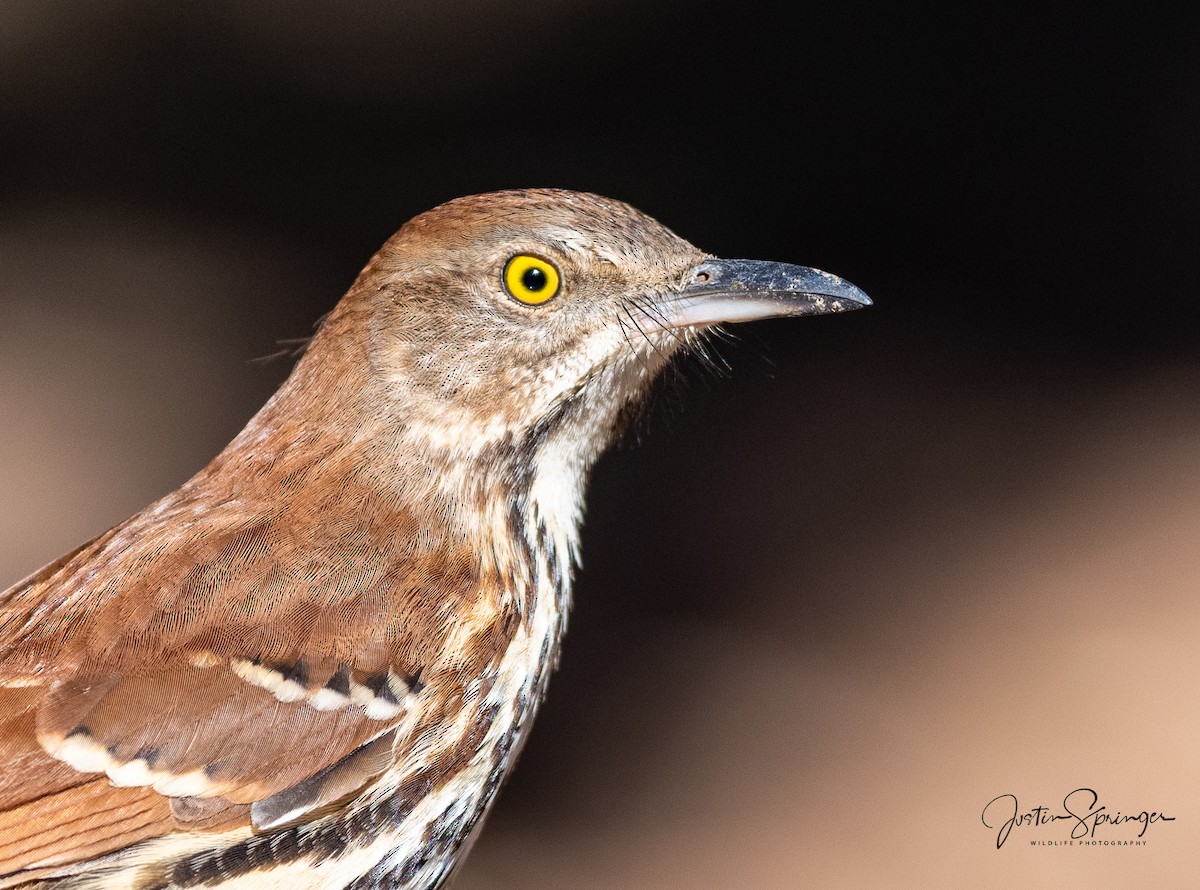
column 314, row 663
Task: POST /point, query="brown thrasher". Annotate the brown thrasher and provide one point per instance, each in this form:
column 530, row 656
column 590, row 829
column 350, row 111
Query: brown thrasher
column 314, row 663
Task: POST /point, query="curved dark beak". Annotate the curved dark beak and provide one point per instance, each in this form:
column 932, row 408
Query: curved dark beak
column 729, row 291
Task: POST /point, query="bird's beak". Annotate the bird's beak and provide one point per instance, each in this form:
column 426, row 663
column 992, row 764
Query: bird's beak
column 728, row 291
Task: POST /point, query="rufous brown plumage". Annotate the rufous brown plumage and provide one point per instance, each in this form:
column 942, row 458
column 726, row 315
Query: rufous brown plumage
column 313, row 664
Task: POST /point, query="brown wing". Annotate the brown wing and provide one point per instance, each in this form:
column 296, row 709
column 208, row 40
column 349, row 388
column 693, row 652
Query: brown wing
column 220, row 649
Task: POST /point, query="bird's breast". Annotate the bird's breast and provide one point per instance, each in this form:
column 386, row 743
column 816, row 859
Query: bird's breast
column 416, row 850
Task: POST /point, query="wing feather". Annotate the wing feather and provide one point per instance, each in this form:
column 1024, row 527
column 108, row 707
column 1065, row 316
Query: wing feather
column 216, row 648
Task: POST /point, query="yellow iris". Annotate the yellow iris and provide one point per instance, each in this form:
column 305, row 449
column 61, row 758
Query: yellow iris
column 530, row 279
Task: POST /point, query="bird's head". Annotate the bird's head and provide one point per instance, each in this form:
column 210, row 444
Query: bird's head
column 505, row 316
column 486, row 354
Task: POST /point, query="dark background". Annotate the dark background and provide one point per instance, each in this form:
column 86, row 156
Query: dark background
column 841, row 582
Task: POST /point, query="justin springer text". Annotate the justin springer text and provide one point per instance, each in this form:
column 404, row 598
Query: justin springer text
column 1081, row 810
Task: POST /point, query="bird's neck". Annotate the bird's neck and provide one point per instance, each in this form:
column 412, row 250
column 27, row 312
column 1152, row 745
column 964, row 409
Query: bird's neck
column 507, row 484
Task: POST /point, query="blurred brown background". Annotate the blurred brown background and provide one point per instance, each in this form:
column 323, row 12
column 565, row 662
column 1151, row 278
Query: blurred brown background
column 899, row 563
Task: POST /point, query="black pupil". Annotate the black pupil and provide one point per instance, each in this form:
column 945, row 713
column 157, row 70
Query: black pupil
column 534, row 279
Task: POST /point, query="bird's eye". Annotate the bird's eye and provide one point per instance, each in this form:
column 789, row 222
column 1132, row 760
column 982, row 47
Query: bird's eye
column 530, row 280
